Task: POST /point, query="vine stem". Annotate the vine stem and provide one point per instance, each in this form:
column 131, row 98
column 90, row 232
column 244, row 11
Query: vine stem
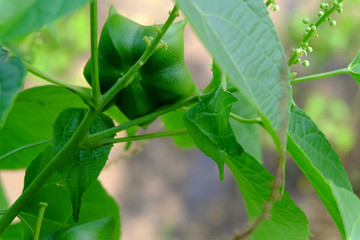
column 103, row 142
column 81, row 92
column 23, row 148
column 143, row 119
column 319, row 75
column 95, row 82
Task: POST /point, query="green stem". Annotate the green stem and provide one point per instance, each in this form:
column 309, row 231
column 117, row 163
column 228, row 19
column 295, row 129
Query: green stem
column 52, row 166
column 143, row 119
column 95, row 83
column 23, row 148
column 103, row 142
column 81, row 92
column 320, row 75
column 309, row 34
column 43, row 206
column 128, row 77
column 245, row 120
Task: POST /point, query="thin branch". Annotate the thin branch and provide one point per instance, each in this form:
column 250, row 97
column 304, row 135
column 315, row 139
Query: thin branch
column 81, row 92
column 103, row 142
column 319, row 76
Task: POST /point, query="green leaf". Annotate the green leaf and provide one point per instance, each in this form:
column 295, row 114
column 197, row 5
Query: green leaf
column 53, row 192
column 99, row 229
column 29, row 222
column 286, row 220
column 208, row 125
column 18, row 18
column 243, row 42
column 354, row 68
column 13, row 232
column 349, row 206
column 31, row 120
column 83, row 166
column 12, row 74
column 173, row 121
column 247, row 135
column 97, row 203
column 310, row 149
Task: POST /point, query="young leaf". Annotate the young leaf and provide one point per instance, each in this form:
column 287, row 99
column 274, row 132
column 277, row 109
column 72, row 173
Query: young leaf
column 18, row 17
column 310, row 149
column 96, row 204
column 31, row 120
column 83, row 166
column 354, row 68
column 242, row 40
column 208, row 125
column 174, row 120
column 349, row 207
column 12, row 74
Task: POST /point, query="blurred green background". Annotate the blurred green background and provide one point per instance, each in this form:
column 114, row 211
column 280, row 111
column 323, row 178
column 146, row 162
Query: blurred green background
column 180, row 197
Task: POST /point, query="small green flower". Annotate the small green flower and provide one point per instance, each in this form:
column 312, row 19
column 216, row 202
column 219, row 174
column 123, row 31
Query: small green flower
column 306, row 21
column 333, row 23
column 306, row 63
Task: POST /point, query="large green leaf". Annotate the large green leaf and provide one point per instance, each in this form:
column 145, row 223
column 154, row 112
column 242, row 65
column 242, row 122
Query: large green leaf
column 19, row 17
column 31, row 120
column 286, row 220
column 208, row 124
column 313, row 153
column 242, row 40
column 349, row 206
column 354, row 68
column 82, row 167
column 12, row 74
column 96, row 204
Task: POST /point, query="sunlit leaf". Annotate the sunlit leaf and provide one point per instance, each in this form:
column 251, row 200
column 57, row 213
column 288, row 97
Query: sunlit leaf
column 354, row 68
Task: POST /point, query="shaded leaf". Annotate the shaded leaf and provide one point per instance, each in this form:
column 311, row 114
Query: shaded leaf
column 83, row 166
column 97, row 203
column 18, row 18
column 13, row 232
column 310, row 149
column 12, row 74
column 31, row 120
column 242, row 40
